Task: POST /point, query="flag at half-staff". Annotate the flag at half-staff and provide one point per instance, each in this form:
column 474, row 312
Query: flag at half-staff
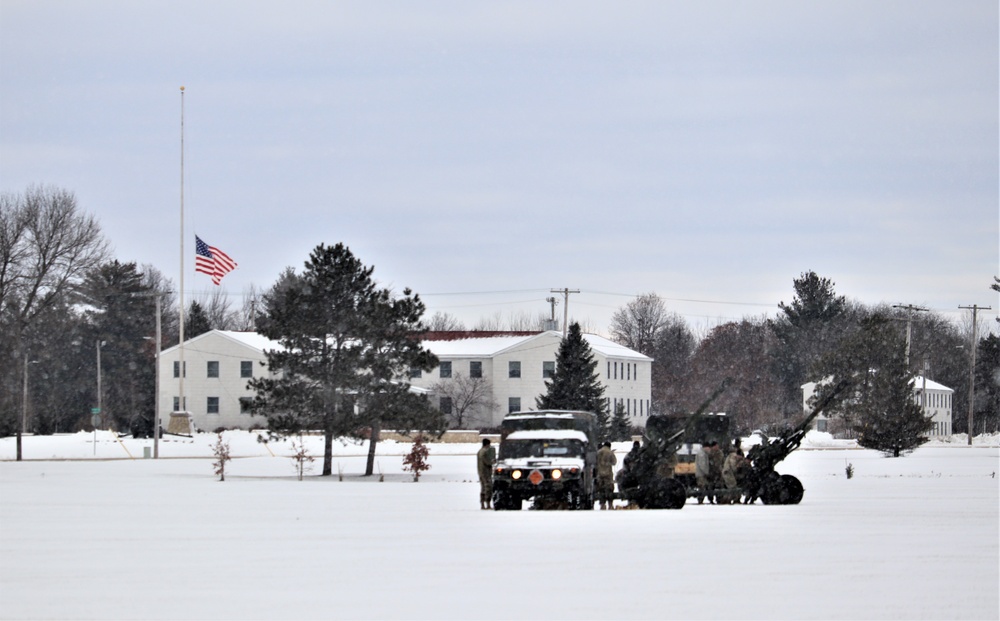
column 212, row 261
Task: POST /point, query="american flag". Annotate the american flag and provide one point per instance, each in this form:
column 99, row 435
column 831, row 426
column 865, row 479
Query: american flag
column 212, row 261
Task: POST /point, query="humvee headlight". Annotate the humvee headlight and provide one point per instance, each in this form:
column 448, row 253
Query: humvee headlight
column 515, row 475
column 556, row 474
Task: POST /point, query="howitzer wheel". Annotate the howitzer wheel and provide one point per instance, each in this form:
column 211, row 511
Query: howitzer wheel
column 664, row 494
column 772, row 489
column 793, row 490
column 781, row 489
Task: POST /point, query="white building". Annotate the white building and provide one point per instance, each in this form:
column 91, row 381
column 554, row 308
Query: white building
column 935, row 399
column 517, row 365
column 219, row 364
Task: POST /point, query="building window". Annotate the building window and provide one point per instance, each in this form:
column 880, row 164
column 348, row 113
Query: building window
column 445, row 368
column 213, row 368
column 212, row 405
column 609, row 369
column 514, row 368
column 245, row 405
column 177, row 368
column 445, row 405
column 548, row 369
column 514, row 404
column 246, row 368
column 415, row 373
column 628, row 369
column 475, row 369
column 616, row 371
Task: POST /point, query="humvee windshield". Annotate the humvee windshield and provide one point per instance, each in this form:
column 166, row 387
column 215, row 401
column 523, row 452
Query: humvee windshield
column 514, row 449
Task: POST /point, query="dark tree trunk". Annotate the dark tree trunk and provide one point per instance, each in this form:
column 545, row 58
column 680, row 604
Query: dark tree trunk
column 372, row 443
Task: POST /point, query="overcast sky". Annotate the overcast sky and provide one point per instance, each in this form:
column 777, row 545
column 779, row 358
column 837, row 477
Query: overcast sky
column 707, row 151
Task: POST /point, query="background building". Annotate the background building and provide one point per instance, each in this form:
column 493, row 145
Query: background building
column 219, row 364
column 934, row 397
column 515, row 366
column 511, row 366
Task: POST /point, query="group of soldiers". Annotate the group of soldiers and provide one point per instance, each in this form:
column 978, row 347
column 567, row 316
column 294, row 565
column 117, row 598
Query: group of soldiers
column 721, row 478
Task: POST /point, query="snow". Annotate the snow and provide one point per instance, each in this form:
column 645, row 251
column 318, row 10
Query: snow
column 493, row 345
column 548, row 434
column 114, row 537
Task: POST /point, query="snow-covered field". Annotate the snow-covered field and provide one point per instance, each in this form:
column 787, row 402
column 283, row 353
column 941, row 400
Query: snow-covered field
column 95, row 534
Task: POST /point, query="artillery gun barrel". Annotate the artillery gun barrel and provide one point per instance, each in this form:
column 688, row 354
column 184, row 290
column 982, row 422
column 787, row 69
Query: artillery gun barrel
column 768, row 455
column 822, row 405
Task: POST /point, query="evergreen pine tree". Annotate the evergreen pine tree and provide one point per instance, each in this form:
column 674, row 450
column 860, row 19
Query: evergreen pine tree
column 882, row 406
column 576, row 385
column 621, row 429
column 196, row 321
column 345, row 342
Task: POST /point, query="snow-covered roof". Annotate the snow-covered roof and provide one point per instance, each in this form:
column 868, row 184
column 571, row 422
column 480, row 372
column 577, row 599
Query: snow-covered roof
column 493, row 345
column 548, row 434
column 485, row 347
column 560, row 414
column 611, row 349
column 475, row 347
column 918, row 382
column 252, row 340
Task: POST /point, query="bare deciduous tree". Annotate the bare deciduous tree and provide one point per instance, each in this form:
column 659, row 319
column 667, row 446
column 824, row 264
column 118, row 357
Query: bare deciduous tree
column 444, row 322
column 472, row 402
column 46, row 247
column 523, row 321
column 218, row 308
column 246, row 317
column 637, row 325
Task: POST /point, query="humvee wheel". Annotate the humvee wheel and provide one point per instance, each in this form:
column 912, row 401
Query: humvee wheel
column 793, row 490
column 503, row 501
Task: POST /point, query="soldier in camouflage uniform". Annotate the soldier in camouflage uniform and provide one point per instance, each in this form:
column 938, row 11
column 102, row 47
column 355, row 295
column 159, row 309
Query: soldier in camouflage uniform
column 485, row 458
column 606, row 461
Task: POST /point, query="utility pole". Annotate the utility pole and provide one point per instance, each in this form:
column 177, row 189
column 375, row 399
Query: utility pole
column 975, row 308
column 909, row 319
column 156, row 384
column 551, row 323
column 565, row 293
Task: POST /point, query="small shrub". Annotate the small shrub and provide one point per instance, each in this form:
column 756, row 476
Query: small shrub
column 849, row 470
column 221, row 451
column 416, row 460
column 302, row 457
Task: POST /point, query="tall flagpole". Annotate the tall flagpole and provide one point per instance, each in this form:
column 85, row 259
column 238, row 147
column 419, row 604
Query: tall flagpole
column 181, row 406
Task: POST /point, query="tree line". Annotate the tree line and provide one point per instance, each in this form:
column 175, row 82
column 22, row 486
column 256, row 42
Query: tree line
column 66, row 305
column 818, row 335
column 65, row 302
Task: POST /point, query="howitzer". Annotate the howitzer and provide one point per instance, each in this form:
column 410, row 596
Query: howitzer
column 763, row 482
column 648, row 478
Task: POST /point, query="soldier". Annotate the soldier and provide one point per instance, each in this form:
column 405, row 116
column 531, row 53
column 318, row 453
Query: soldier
column 606, row 461
column 485, row 458
column 715, row 462
column 732, row 473
column 633, row 455
column 702, row 470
